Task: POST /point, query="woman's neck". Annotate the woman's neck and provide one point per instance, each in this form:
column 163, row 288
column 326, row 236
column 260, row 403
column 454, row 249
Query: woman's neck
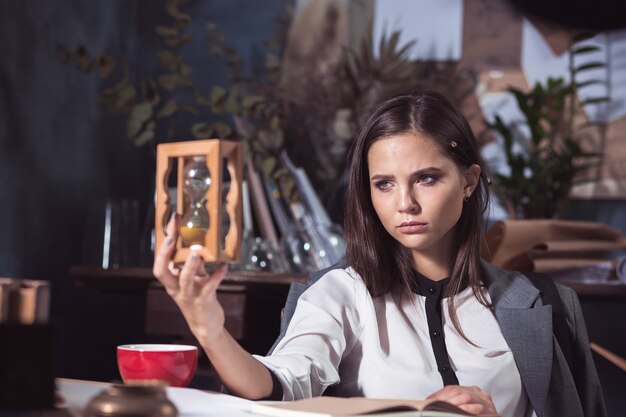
column 432, row 268
column 436, row 263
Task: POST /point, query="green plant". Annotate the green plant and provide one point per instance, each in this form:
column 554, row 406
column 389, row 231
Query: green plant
column 542, row 175
column 152, row 103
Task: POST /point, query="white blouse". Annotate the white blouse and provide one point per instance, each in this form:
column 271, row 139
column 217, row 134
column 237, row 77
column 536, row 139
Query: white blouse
column 381, row 347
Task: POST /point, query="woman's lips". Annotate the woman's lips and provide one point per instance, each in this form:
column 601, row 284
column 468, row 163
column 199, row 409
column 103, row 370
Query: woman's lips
column 410, row 228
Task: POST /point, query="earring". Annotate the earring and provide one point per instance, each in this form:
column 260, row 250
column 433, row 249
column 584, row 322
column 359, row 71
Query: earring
column 467, row 197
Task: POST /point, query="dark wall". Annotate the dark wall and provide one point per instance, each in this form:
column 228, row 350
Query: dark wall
column 62, row 155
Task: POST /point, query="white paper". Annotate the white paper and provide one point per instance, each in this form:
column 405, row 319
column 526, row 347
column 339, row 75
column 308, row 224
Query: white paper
column 191, row 402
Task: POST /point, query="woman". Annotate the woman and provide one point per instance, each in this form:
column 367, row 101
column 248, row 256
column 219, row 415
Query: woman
column 417, row 313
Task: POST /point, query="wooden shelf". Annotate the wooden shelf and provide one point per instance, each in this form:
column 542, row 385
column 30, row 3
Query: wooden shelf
column 589, row 288
column 142, row 278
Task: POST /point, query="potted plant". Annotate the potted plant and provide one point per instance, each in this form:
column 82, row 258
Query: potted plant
column 550, row 162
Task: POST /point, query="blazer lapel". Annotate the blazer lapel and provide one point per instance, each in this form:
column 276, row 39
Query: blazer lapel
column 526, row 329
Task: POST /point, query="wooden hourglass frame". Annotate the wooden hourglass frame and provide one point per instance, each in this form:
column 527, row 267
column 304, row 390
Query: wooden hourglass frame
column 219, row 155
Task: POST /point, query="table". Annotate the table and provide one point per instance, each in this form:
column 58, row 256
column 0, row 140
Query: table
column 190, row 402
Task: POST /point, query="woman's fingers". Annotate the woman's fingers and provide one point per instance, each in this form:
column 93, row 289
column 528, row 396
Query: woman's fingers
column 450, row 391
column 477, row 409
column 214, row 281
column 456, row 397
column 171, row 229
column 471, row 399
column 206, row 284
column 163, row 257
column 186, row 279
column 192, row 278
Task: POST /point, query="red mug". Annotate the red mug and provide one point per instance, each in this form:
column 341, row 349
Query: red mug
column 173, row 364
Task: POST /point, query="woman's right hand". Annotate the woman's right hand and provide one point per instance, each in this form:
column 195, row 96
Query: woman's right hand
column 191, row 287
column 195, row 293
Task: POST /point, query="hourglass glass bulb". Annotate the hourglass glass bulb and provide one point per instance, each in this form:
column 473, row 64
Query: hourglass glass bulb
column 195, row 221
column 197, row 178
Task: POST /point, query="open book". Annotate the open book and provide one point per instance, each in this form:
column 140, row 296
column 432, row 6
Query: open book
column 358, row 406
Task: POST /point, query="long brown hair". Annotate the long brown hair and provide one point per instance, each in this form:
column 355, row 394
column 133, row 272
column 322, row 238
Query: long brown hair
column 383, row 262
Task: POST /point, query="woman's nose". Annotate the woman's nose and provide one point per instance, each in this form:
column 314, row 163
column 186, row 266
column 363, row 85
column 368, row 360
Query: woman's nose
column 408, row 203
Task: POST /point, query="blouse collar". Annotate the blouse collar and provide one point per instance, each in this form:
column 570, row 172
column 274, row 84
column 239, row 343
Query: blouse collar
column 429, row 288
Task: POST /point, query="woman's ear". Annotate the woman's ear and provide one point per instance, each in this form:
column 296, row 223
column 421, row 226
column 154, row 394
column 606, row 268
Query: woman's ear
column 472, row 176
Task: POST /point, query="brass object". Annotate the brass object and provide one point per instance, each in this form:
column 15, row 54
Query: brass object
column 137, row 400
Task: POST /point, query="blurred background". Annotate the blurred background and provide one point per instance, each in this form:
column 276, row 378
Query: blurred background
column 89, row 88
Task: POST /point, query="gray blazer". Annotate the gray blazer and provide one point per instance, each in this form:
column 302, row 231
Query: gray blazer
column 526, row 325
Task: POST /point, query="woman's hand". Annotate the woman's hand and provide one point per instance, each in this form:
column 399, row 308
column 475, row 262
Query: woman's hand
column 193, row 290
column 195, row 293
column 471, row 399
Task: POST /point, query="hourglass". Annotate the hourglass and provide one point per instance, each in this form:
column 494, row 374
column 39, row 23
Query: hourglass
column 205, row 177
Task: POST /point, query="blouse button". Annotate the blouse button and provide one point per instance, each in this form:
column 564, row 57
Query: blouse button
column 435, row 333
column 432, row 290
column 444, row 369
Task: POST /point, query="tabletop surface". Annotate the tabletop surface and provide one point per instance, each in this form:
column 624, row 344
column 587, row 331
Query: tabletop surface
column 190, row 402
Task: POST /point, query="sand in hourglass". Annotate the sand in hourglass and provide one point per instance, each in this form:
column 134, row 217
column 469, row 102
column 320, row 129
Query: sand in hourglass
column 193, row 235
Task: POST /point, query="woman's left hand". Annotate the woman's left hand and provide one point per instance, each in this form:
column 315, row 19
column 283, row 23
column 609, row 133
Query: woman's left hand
column 471, row 399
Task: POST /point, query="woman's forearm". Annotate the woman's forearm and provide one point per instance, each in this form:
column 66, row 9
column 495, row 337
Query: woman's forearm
column 240, row 373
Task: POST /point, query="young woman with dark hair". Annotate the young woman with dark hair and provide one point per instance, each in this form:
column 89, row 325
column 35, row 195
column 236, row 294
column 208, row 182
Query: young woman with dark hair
column 416, row 313
column 387, row 259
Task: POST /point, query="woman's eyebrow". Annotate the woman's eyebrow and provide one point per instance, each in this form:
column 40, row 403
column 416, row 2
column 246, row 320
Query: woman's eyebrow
column 427, row 170
column 378, row 177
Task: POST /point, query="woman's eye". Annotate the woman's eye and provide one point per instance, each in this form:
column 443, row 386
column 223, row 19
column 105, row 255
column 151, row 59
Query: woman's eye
column 426, row 179
column 383, row 185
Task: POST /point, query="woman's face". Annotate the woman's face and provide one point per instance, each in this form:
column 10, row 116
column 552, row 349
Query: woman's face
column 418, row 192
